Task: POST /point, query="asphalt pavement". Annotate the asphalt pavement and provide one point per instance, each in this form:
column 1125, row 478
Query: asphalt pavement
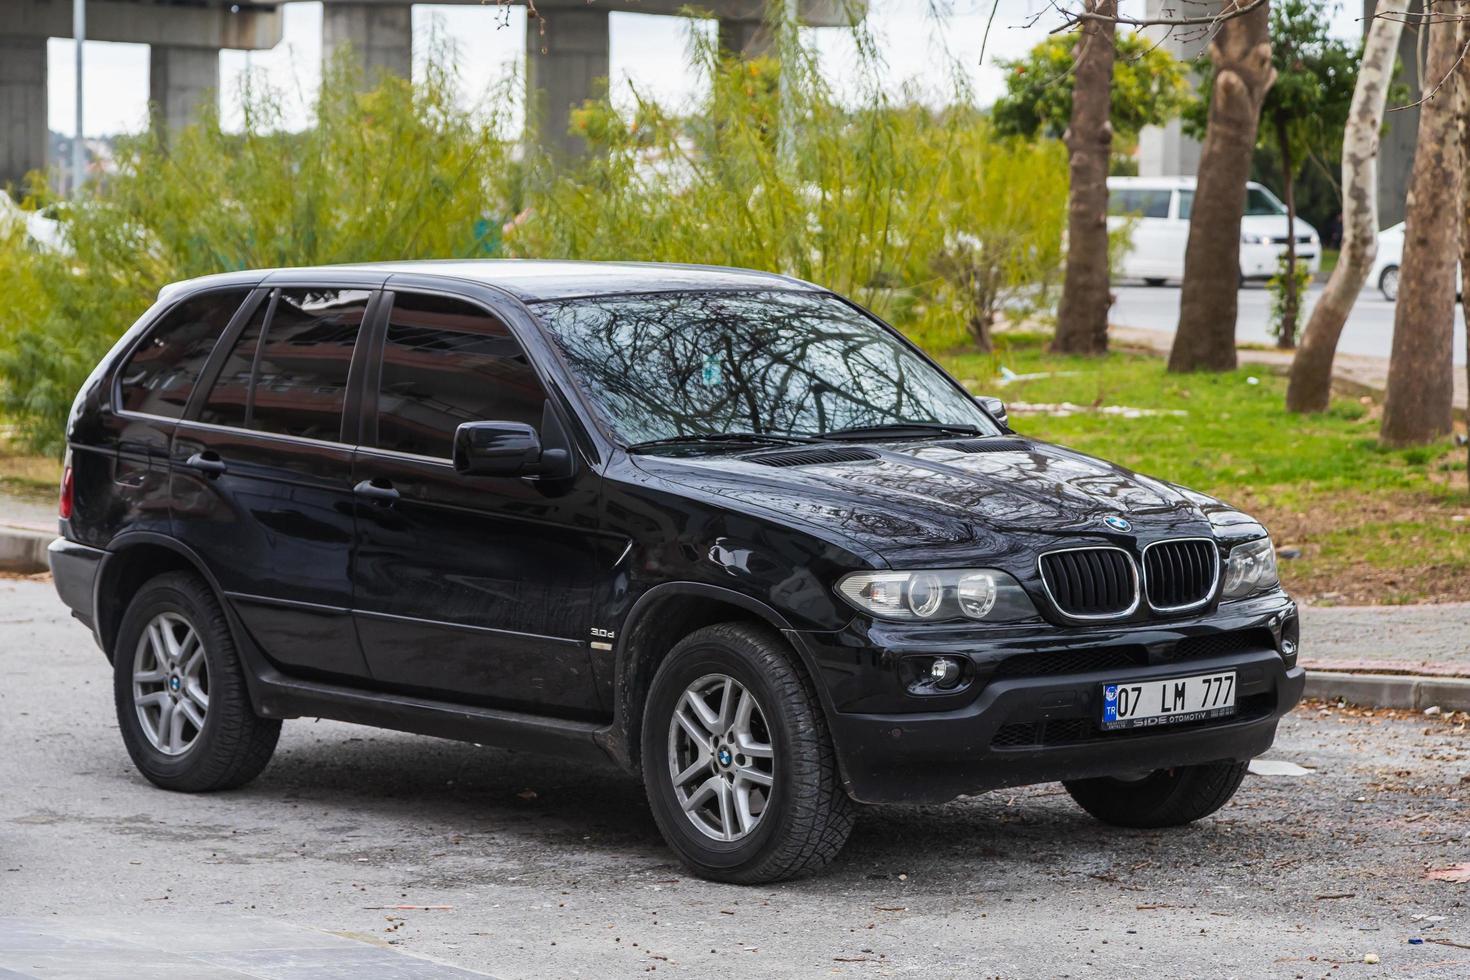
column 1369, row 330
column 520, row 866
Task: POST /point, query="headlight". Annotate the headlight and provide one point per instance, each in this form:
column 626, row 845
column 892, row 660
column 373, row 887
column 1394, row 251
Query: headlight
column 1251, row 239
column 948, row 593
column 1250, row 568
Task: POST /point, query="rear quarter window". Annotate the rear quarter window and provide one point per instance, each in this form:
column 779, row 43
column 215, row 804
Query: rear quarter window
column 160, row 374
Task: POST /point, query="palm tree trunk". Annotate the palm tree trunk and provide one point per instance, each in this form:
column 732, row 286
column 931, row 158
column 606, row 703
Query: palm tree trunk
column 1241, row 53
column 1082, row 314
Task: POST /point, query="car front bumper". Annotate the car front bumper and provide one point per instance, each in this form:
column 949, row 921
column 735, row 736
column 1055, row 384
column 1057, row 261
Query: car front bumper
column 1011, row 727
column 1263, row 260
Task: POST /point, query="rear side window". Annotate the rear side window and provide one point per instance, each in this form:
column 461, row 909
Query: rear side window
column 287, row 373
column 1139, row 202
column 160, row 375
column 446, row 361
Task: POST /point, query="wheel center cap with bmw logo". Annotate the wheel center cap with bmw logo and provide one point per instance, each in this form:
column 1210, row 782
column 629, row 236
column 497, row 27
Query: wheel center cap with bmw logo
column 173, row 684
column 1117, row 523
column 724, row 757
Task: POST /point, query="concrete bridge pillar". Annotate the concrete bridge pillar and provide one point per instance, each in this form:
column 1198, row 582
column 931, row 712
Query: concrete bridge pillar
column 380, row 35
column 180, row 82
column 747, row 38
column 23, row 131
column 563, row 66
column 1164, row 151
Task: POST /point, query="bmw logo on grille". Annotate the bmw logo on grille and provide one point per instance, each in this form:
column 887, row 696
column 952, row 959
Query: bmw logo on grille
column 1117, row 523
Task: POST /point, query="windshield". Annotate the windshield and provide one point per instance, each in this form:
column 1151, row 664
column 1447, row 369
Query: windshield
column 669, row 365
column 1260, row 201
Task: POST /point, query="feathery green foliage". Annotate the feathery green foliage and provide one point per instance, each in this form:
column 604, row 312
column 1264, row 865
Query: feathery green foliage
column 925, row 216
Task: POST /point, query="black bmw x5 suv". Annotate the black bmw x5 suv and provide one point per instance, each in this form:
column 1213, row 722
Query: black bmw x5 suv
column 722, row 527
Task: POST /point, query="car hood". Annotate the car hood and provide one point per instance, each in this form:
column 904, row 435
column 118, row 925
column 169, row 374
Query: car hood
column 916, row 501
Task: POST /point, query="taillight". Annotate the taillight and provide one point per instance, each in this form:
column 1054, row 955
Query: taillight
column 64, row 507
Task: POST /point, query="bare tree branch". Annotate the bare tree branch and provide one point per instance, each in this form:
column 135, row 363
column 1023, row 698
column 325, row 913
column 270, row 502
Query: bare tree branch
column 1238, row 9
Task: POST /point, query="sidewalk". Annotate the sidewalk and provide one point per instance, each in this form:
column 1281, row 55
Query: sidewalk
column 26, row 528
column 212, row 946
column 1356, row 370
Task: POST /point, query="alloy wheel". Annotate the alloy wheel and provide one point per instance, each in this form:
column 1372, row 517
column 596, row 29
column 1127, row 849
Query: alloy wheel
column 721, row 759
column 170, row 683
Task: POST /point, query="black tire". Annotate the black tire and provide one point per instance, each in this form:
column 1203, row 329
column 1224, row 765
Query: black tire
column 808, row 815
column 1153, row 283
column 234, row 744
column 1164, row 798
column 1388, row 283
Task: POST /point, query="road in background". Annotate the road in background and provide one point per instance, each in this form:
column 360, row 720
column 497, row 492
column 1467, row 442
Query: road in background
column 1369, row 329
column 552, row 869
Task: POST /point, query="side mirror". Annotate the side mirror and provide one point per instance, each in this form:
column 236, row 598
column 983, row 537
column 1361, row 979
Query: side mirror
column 503, row 449
column 996, row 409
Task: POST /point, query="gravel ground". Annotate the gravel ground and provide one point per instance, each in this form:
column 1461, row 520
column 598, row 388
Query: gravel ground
column 556, row 870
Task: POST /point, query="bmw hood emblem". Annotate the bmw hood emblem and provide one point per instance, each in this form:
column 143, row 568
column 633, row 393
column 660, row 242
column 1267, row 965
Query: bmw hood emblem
column 1117, row 523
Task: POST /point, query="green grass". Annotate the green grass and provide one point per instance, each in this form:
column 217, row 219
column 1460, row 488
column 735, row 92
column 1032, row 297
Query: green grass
column 1373, row 524
column 1329, row 262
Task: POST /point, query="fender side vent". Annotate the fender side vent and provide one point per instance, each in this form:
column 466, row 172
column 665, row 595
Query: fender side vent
column 990, row 446
column 813, row 457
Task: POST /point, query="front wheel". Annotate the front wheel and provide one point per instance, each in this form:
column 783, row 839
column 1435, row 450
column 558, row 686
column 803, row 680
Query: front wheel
column 1163, row 798
column 737, row 761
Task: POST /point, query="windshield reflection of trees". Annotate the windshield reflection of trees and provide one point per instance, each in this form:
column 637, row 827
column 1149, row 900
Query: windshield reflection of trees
column 667, row 365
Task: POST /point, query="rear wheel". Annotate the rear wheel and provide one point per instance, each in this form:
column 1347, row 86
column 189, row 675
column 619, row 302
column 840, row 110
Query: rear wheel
column 1388, row 283
column 737, row 762
column 182, row 705
column 1163, row 798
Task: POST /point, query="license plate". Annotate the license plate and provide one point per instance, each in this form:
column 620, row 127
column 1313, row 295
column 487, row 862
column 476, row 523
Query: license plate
column 1151, row 703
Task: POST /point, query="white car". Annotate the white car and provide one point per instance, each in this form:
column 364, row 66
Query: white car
column 41, row 228
column 1159, row 208
column 1385, row 272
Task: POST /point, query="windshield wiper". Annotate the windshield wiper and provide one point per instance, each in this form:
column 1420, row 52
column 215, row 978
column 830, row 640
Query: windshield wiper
column 900, row 429
column 722, row 437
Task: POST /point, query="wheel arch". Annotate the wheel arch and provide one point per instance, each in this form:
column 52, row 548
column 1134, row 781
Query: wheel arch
column 661, row 617
column 132, row 560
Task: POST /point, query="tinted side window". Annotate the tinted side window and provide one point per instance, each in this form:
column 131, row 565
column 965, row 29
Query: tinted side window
column 289, row 375
column 300, row 379
column 446, row 361
column 229, row 400
column 160, row 375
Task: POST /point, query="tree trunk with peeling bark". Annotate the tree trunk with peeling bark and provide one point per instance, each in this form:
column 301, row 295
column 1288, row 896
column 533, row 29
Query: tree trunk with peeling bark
column 1082, row 314
column 1310, row 387
column 1241, row 53
column 1419, row 402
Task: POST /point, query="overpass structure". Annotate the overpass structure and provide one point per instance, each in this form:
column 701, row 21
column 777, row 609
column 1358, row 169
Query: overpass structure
column 566, row 51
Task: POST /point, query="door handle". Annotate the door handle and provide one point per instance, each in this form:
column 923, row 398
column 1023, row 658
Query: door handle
column 378, row 491
column 207, row 463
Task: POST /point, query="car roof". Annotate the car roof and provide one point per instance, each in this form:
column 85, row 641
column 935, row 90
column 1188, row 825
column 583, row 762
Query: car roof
column 1163, row 183
column 532, row 280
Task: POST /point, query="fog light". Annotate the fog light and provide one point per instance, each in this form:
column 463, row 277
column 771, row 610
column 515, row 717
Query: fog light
column 945, row 672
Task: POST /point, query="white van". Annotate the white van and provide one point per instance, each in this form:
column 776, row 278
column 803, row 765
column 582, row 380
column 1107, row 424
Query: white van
column 1159, row 208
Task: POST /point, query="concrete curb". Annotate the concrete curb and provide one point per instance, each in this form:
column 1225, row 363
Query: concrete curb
column 23, row 550
column 1408, row 691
